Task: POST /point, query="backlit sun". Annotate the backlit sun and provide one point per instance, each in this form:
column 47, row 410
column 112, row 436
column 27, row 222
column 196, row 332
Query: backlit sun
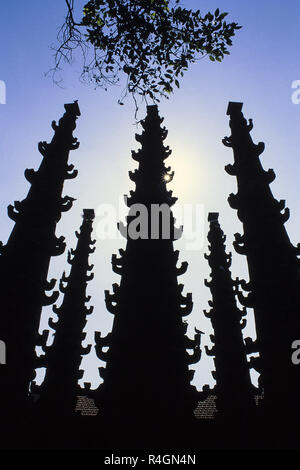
column 167, row 178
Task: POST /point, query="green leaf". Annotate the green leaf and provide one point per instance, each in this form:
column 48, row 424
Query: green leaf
column 222, row 16
column 154, row 49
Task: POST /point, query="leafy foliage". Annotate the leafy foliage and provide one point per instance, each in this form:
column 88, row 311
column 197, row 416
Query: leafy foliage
column 151, row 41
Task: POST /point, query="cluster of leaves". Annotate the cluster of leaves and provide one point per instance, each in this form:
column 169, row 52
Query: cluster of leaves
column 151, row 41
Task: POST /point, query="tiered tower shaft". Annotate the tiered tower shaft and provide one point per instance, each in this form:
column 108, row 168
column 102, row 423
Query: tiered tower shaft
column 234, row 390
column 147, row 376
column 274, row 288
column 24, row 260
column 58, row 393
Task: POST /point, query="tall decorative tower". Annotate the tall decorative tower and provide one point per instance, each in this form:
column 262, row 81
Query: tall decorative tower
column 25, row 259
column 234, row 390
column 147, row 376
column 274, row 288
column 58, row 392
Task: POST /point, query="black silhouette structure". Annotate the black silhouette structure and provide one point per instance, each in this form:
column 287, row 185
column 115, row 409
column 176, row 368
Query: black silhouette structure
column 274, row 289
column 146, row 399
column 59, row 390
column 147, row 363
column 234, row 390
column 24, row 261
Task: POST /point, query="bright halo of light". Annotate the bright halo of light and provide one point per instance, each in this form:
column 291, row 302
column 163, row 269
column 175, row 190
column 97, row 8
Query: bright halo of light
column 167, row 178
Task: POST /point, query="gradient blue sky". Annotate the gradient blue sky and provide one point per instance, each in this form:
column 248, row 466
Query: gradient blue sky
column 263, row 63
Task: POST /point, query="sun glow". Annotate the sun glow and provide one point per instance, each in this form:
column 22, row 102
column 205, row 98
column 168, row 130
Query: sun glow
column 167, row 178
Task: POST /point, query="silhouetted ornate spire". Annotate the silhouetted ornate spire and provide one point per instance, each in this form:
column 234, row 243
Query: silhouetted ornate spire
column 25, row 258
column 60, row 388
column 147, row 375
column 152, row 172
column 234, row 390
column 274, row 288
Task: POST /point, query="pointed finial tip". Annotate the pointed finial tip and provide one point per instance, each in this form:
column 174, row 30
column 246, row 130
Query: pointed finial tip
column 73, row 108
column 213, row 216
column 88, row 214
column 153, row 108
column 234, row 106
